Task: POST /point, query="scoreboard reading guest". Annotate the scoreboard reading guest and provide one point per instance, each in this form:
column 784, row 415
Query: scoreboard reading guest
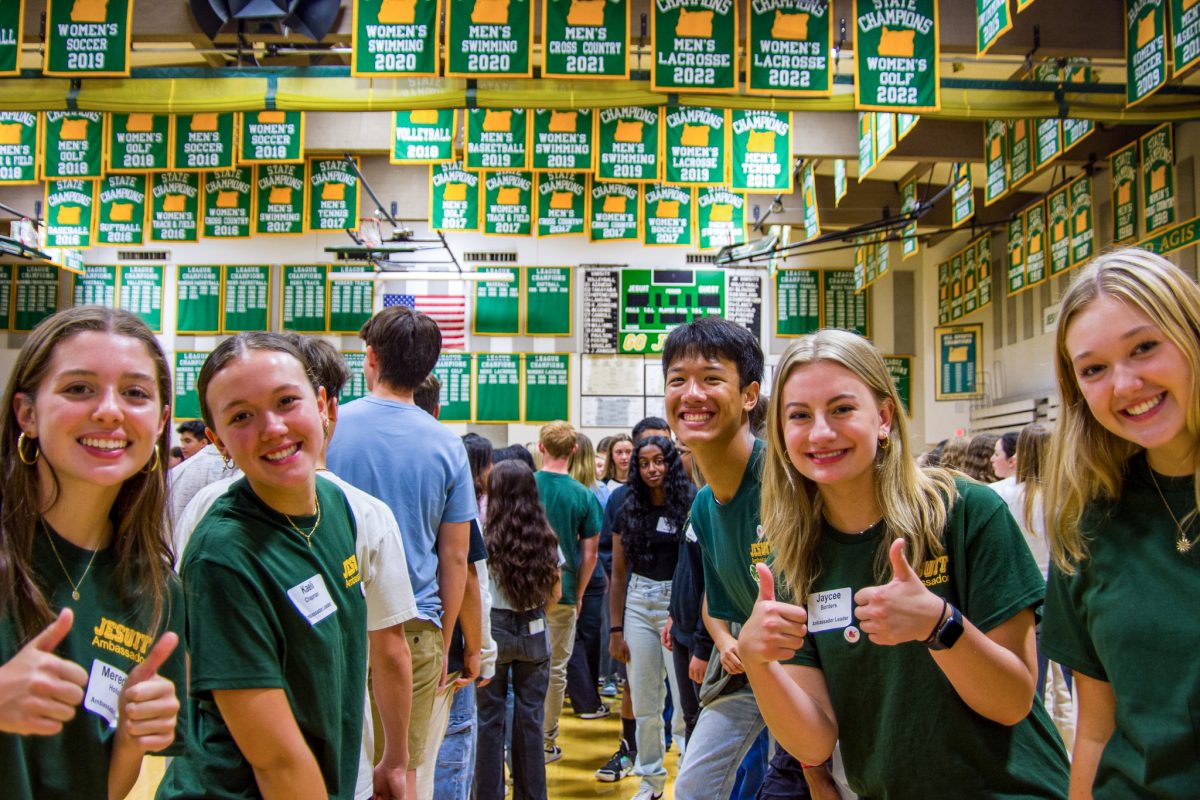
column 654, row 302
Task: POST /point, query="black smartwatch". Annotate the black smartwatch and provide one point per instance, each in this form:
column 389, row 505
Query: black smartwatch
column 947, row 633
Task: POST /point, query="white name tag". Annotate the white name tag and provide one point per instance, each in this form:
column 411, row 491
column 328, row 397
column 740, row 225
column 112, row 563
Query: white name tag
column 690, row 534
column 312, row 599
column 665, row 526
column 103, row 690
column 537, row 626
column 831, row 610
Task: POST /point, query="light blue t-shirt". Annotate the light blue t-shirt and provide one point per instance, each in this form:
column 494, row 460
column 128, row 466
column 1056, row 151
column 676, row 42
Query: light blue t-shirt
column 409, row 460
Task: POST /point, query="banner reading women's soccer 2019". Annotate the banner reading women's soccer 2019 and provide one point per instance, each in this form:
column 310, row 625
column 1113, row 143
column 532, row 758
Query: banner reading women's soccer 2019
column 395, row 37
column 489, row 38
column 87, row 38
column 585, row 39
column 695, row 45
column 896, row 55
column 787, row 48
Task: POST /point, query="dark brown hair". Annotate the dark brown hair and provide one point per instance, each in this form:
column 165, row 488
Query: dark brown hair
column 522, row 547
column 406, row 343
column 236, row 347
column 978, row 463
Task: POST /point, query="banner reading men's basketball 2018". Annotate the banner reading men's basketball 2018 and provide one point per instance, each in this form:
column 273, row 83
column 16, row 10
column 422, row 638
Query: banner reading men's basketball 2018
column 896, row 55
column 787, row 47
column 88, row 38
column 395, row 37
column 489, row 38
column 585, row 39
column 695, row 46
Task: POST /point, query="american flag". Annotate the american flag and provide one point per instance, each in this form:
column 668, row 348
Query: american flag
column 447, row 310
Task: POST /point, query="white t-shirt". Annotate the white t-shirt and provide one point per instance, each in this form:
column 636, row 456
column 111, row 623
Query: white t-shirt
column 192, row 474
column 1014, row 495
column 385, row 580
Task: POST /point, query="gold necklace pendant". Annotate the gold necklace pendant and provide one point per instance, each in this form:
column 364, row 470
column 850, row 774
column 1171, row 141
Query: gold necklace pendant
column 307, row 536
column 74, row 584
column 1183, row 544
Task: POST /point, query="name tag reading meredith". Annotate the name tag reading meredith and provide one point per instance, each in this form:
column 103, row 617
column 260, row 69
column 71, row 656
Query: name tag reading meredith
column 312, row 599
column 831, row 610
column 103, row 690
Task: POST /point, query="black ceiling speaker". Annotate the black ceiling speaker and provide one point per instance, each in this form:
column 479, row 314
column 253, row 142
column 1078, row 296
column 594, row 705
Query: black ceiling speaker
column 310, row 18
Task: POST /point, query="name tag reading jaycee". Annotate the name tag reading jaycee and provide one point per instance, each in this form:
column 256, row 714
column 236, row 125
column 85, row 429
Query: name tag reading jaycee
column 312, row 599
column 103, row 690
column 831, row 610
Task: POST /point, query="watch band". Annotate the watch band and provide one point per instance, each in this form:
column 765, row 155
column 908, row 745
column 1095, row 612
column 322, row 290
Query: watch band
column 948, row 632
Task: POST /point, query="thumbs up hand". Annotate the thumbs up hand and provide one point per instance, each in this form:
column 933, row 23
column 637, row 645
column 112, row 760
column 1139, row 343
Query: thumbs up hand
column 148, row 705
column 775, row 631
column 902, row 610
column 38, row 690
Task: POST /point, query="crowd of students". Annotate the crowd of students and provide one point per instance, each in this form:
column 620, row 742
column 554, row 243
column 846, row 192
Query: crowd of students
column 397, row 612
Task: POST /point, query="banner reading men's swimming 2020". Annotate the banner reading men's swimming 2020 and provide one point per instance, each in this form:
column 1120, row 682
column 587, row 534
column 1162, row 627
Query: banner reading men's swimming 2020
column 584, row 39
column 394, row 37
column 694, row 45
column 787, row 48
column 423, row 137
column 896, row 55
column 762, row 151
column 489, row 38
column 629, row 145
column 696, row 146
column 1145, row 48
column 87, row 38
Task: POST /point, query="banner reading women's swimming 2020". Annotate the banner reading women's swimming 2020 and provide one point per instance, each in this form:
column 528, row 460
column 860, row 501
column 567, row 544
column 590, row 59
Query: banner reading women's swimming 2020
column 584, row 39
column 896, row 55
column 395, row 37
column 694, row 45
column 788, row 48
column 489, row 38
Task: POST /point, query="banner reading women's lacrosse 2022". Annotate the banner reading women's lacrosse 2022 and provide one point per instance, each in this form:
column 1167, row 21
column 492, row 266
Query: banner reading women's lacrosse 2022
column 395, row 38
column 584, row 39
column 695, row 45
column 896, row 55
column 788, row 48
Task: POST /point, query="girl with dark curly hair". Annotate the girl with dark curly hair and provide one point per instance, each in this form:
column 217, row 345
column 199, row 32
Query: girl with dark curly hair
column 524, row 567
column 646, row 544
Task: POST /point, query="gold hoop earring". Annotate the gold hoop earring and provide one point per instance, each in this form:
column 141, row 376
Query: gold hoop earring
column 885, row 442
column 153, row 465
column 37, row 452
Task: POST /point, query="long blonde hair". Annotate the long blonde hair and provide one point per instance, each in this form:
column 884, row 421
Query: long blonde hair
column 1088, row 461
column 915, row 502
column 582, row 463
column 1032, row 444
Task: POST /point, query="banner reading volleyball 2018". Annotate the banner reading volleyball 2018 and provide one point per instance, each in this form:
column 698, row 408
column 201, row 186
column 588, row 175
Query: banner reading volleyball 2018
column 585, row 39
column 489, row 38
column 896, row 55
column 88, row 37
column 395, row 37
column 695, row 45
column 787, row 47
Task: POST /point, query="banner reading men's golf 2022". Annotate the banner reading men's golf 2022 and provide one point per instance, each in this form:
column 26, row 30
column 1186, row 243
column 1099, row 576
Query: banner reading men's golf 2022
column 787, row 48
column 896, row 55
column 585, row 39
column 394, row 38
column 695, row 45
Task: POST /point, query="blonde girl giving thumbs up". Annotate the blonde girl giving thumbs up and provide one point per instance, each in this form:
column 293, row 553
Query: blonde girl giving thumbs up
column 907, row 628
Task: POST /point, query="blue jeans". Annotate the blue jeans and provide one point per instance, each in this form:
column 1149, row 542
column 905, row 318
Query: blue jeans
column 456, row 759
column 725, row 730
column 646, row 604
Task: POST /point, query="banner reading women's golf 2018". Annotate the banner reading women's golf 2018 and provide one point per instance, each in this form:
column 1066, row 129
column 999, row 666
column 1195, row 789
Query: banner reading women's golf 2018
column 138, row 143
column 696, row 152
column 394, row 37
column 694, row 45
column 584, row 39
column 896, row 55
column 629, row 144
column 489, row 38
column 88, row 38
column 762, row 151
column 788, row 48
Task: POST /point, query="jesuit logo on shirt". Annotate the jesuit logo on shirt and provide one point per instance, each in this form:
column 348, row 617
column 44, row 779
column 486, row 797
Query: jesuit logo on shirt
column 933, row 571
column 121, row 639
column 350, row 571
column 760, row 551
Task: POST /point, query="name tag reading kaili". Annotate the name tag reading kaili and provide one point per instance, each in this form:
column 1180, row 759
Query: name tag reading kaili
column 312, row 599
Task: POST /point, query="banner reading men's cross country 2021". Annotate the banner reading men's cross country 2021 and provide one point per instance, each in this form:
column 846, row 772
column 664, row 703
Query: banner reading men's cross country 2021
column 896, row 55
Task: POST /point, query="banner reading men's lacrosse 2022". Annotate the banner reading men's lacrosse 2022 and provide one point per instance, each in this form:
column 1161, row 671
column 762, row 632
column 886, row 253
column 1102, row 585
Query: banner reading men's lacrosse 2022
column 896, row 55
column 585, row 39
column 395, row 38
column 788, row 48
column 694, row 45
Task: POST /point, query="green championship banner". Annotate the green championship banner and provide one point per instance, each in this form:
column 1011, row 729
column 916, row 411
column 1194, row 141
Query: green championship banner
column 992, row 20
column 508, row 203
column 453, row 198
column 305, row 298
column 943, row 303
column 203, row 141
column 12, row 34
column 138, row 143
column 762, row 151
column 188, row 364
column 546, row 382
column 496, row 139
column 585, row 39
column 18, row 147
column 423, row 137
column 497, row 387
column 489, row 38
column 963, row 194
column 332, row 195
column 808, row 201
column 1157, row 150
column 720, row 217
column 36, row 295
column 1035, row 243
column 497, row 304
column 547, row 301
column 228, row 203
column 983, row 268
column 356, row 385
column 885, row 134
column 1123, row 169
column 454, row 371
column 97, row 286
column 995, row 133
column 1047, row 142
column 278, row 199
column 695, row 46
column 72, row 144
column 909, row 244
column 797, row 302
column 350, row 302
column 866, row 145
column 970, row 280
column 905, row 123
column 666, row 215
column 142, row 292
column 616, row 212
column 562, row 140
column 174, row 207
column 695, row 146
column 843, row 305
column 394, row 38
column 70, row 209
column 840, row 184
column 629, row 144
column 122, row 210
column 656, row 301
column 1185, row 35
column 1058, row 213
column 247, row 303
column 959, row 352
column 896, row 55
column 1078, row 70
column 87, row 38
column 1020, row 153
column 1016, row 253
column 900, row 370
column 1145, row 48
column 1083, row 235
column 275, row 136
column 198, row 299
column 872, row 260
column 788, row 48
column 562, row 203
column 956, row 286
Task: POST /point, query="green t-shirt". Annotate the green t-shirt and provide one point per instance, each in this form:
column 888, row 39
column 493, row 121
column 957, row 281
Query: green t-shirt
column 110, row 636
column 904, row 731
column 731, row 541
column 575, row 515
column 1127, row 616
column 264, row 611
